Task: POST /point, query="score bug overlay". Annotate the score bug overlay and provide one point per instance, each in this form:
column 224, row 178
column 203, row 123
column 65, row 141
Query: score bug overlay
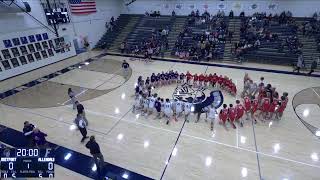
column 26, row 163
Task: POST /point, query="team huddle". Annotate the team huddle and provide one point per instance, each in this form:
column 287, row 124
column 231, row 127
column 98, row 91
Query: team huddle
column 259, row 102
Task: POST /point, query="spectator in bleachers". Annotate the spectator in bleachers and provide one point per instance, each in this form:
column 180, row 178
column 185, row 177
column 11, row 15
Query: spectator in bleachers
column 197, row 13
column 123, row 47
column 173, row 13
column 300, row 63
column 313, row 65
column 242, row 14
column 231, row 14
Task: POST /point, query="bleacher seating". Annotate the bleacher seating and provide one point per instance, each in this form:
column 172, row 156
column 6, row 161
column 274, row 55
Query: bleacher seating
column 111, row 35
column 147, row 25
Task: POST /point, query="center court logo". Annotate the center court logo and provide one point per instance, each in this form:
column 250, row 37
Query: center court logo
column 200, row 96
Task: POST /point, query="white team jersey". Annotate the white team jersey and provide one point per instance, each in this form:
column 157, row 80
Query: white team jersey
column 211, row 112
column 179, row 106
column 152, row 100
column 187, row 107
column 145, row 103
column 167, row 107
column 138, row 101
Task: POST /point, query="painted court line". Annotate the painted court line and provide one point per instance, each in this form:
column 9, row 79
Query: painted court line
column 82, row 92
column 316, row 93
column 75, row 96
column 183, row 134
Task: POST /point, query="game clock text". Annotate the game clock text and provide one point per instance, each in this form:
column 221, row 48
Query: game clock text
column 26, row 163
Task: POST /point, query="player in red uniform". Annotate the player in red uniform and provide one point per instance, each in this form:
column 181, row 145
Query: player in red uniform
column 219, row 81
column 265, row 106
column 247, row 106
column 232, row 114
column 189, row 77
column 223, row 115
column 273, row 106
column 201, row 79
column 210, row 79
column 240, row 111
column 206, row 80
column 233, row 89
column 214, row 79
column 254, row 108
column 195, row 80
column 282, row 107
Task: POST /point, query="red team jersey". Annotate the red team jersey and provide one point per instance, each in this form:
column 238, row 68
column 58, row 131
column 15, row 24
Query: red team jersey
column 273, row 105
column 206, row 78
column 247, row 103
column 240, row 110
column 265, row 104
column 220, row 79
column 201, row 77
column 254, row 106
column 283, row 106
column 214, row 78
column 232, row 114
column 189, row 76
column 223, row 115
column 195, row 77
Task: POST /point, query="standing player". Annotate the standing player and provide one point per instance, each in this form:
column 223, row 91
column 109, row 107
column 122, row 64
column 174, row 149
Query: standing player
column 265, row 106
column 195, row 80
column 137, row 102
column 152, row 100
column 179, row 108
column 282, row 107
column 157, row 105
column 254, row 108
column 223, row 115
column 273, row 106
column 232, row 114
column 181, row 78
column 201, row 80
column 168, row 110
column 211, row 115
column 214, row 79
column 189, row 77
column 240, row 111
column 145, row 105
column 153, row 80
column 247, row 106
column 187, row 110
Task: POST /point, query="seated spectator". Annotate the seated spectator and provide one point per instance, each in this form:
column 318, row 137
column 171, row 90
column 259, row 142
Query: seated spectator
column 257, row 44
column 173, row 13
column 122, row 47
column 231, row 14
column 242, row 14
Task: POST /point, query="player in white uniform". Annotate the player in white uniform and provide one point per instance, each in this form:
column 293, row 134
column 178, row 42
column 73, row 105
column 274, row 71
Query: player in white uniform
column 152, row 100
column 168, row 110
column 179, row 108
column 187, row 110
column 162, row 108
column 145, row 105
column 137, row 102
column 211, row 114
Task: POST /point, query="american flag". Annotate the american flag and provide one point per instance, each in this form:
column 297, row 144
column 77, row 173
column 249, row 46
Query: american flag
column 83, row 6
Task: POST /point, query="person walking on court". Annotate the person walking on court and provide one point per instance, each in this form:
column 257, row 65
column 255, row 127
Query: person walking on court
column 313, row 66
column 300, row 63
column 125, row 68
column 94, row 148
column 73, row 98
column 82, row 126
column 81, row 111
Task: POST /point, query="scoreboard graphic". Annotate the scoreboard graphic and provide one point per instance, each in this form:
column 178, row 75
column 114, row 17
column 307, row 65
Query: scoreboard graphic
column 26, row 163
